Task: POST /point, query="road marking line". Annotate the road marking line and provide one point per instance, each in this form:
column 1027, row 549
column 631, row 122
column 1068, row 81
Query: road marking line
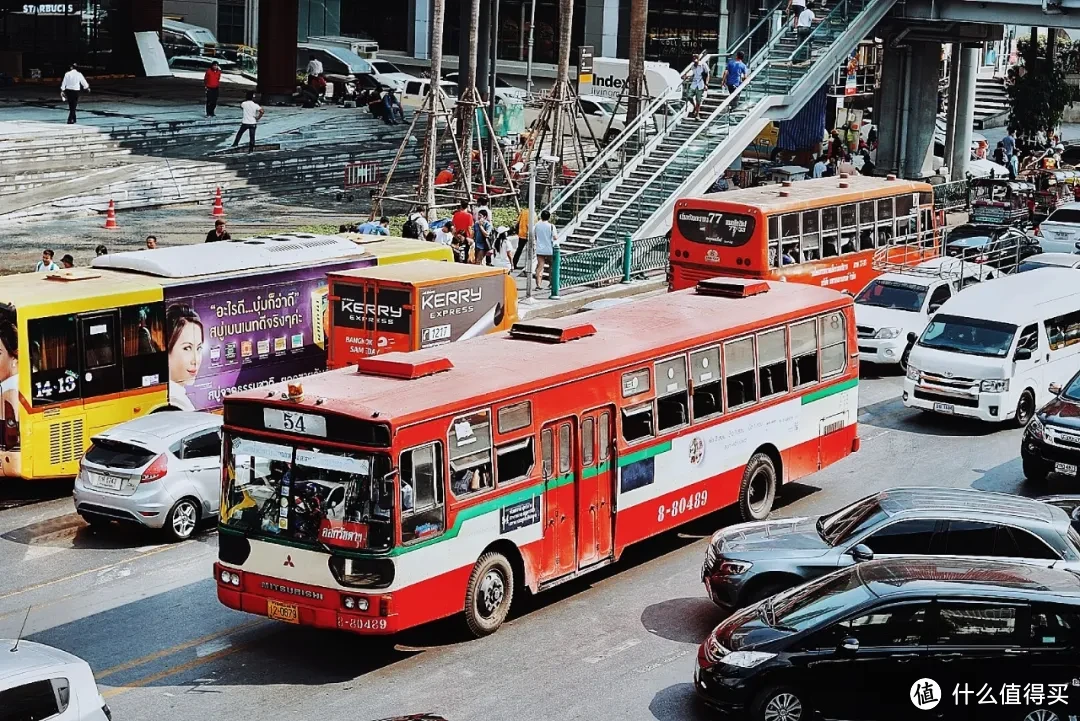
column 153, row 678
column 202, row 640
column 99, row 569
column 624, row 646
column 213, row 647
column 664, row 660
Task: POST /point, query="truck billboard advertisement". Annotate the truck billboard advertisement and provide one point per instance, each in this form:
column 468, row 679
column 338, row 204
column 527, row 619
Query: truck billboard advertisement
column 368, row 320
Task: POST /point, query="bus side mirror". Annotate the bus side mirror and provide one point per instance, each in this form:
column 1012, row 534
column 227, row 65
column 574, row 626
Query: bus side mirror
column 911, row 337
column 1022, row 354
column 1055, row 389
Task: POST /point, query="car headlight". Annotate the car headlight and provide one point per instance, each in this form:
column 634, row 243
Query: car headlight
column 733, row 568
column 1036, row 428
column 996, row 385
column 747, row 659
column 913, row 373
column 710, row 556
column 887, row 333
column 714, row 651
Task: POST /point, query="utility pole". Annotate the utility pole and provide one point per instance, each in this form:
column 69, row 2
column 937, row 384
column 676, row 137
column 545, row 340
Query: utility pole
column 493, row 145
column 529, row 61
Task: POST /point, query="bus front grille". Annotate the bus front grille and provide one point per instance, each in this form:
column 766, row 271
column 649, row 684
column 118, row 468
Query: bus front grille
column 65, row 441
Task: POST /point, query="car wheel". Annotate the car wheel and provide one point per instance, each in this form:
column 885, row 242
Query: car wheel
column 764, row 590
column 1042, row 714
column 1035, row 471
column 490, row 593
column 778, row 703
column 1025, row 408
column 182, row 520
column 758, row 489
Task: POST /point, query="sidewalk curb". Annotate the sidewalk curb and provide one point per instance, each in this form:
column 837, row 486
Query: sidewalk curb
column 559, row 307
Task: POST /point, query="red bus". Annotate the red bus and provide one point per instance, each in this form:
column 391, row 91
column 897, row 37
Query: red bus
column 823, row 231
column 420, row 485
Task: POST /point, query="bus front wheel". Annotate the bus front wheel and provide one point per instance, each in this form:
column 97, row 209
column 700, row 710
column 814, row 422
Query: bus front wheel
column 758, row 489
column 490, row 593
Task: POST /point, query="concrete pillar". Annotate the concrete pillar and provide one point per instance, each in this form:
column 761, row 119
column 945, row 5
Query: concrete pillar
column 888, row 108
column 951, row 99
column 277, row 49
column 420, row 38
column 724, row 27
column 609, row 47
column 921, row 113
column 965, row 116
column 251, row 23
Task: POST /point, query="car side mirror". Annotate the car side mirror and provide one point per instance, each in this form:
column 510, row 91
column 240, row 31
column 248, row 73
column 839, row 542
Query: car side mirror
column 598, row 113
column 911, row 337
column 861, row 552
column 932, row 308
column 848, row 645
column 1055, row 389
column 1022, row 354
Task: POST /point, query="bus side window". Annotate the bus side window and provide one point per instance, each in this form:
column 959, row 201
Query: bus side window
column 789, row 245
column 470, row 454
column 708, row 385
column 143, row 339
column 637, row 422
column 603, row 440
column 811, row 238
column 588, row 442
column 547, row 453
column 804, row 353
column 833, row 344
column 515, row 460
column 54, row 361
column 420, row 472
column 672, row 395
column 885, row 221
column 774, row 241
column 830, row 224
column 772, row 362
column 867, row 231
column 739, row 372
column 848, row 228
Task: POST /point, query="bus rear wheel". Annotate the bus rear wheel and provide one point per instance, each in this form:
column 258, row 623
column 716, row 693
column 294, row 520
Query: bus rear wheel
column 490, row 593
column 758, row 489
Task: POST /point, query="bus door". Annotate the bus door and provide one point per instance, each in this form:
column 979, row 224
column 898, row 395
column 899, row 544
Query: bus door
column 99, row 343
column 556, row 448
column 595, row 487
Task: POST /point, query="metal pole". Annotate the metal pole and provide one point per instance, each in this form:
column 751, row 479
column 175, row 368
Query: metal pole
column 530, row 256
column 528, row 62
column 493, row 145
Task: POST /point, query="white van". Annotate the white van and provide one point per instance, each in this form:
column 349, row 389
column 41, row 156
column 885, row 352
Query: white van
column 363, row 45
column 415, row 90
column 898, row 303
column 992, row 351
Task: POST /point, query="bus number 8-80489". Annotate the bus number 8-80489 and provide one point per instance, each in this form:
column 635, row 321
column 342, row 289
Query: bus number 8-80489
column 681, row 505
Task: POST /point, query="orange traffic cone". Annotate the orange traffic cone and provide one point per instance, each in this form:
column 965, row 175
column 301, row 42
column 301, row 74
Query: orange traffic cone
column 219, row 209
column 110, row 218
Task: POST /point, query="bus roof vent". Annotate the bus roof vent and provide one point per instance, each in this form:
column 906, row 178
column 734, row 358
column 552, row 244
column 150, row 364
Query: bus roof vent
column 732, row 287
column 400, row 365
column 551, row 333
column 890, row 177
column 72, row 274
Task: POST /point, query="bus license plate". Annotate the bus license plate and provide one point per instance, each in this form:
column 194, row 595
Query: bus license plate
column 1067, row 469
column 944, row 408
column 287, row 612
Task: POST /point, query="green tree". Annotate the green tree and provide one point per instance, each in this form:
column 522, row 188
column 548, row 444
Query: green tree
column 1038, row 89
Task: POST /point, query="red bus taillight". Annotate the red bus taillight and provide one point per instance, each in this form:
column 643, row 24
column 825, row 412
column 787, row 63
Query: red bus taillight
column 386, row 606
column 156, row 470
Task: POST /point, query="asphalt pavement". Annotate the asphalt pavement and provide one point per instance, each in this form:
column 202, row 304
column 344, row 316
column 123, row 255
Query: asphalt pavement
column 619, row 643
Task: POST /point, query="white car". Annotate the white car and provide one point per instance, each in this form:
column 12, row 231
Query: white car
column 504, row 91
column 1050, row 260
column 391, row 75
column 415, row 90
column 1060, row 232
column 41, row 682
column 895, row 304
column 161, row 471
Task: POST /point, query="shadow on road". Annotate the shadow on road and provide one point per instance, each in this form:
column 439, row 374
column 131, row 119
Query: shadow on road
column 686, row 620
column 892, row 415
column 679, row 703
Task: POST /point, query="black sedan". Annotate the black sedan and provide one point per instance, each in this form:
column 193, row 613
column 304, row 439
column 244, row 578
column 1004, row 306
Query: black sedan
column 1001, row 246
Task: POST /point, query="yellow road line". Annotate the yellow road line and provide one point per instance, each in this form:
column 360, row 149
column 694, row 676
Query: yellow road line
column 99, row 569
column 174, row 649
column 194, row 663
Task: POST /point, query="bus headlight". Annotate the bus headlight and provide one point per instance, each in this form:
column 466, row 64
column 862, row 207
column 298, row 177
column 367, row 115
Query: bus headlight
column 887, row 333
column 997, row 385
column 1036, row 428
column 913, row 373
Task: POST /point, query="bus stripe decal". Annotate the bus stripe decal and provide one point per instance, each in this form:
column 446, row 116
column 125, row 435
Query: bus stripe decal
column 596, row 470
column 831, row 390
column 644, row 453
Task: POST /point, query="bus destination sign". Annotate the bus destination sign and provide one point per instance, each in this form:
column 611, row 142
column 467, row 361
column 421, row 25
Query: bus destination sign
column 716, row 228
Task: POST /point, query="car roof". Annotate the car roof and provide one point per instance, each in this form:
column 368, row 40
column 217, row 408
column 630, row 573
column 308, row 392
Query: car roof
column 157, row 431
column 968, row 230
column 31, row 656
column 1065, row 260
column 949, row 268
column 1046, row 292
column 954, row 576
column 965, row 503
column 1067, row 206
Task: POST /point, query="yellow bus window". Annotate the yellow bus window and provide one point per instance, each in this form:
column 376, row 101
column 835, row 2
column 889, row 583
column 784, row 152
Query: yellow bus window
column 54, row 365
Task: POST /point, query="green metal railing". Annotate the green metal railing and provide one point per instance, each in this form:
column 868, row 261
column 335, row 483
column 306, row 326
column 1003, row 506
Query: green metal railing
column 608, row 263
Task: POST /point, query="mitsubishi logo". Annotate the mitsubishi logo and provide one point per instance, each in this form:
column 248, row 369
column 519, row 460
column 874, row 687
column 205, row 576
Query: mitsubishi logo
column 288, row 562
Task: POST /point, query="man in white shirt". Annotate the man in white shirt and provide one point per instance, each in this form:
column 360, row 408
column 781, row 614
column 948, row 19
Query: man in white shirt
column 73, row 84
column 699, row 80
column 46, row 263
column 804, row 24
column 314, row 67
column 445, row 234
column 819, row 167
column 253, row 112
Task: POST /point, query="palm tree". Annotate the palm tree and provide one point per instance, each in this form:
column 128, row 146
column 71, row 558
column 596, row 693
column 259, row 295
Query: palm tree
column 468, row 111
column 427, row 170
column 639, row 14
column 562, row 82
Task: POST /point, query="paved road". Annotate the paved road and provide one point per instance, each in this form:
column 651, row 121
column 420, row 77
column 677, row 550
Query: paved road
column 618, row 644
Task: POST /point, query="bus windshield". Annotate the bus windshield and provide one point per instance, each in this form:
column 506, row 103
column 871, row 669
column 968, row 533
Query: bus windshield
column 970, row 336
column 893, row 294
column 319, row 497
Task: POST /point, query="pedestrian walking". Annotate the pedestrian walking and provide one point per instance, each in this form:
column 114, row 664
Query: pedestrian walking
column 482, row 238
column 382, row 227
column 523, row 236
column 463, row 219
column 502, row 249
column 699, row 80
column 212, row 83
column 819, row 167
column 804, row 25
column 794, row 7
column 735, row 72
column 546, row 240
column 253, row 112
column 73, row 84
column 46, row 263
column 67, row 261
column 218, row 233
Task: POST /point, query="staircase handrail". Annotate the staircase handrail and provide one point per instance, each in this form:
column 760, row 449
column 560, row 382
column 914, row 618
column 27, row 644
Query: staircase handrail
column 842, row 5
column 722, row 107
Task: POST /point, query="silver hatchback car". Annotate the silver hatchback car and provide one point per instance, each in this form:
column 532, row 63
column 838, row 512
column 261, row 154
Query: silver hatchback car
column 160, row 471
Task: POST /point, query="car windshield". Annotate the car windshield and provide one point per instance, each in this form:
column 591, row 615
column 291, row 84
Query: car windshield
column 308, row 495
column 384, row 67
column 893, row 294
column 807, row 606
column 1072, row 388
column 964, row 240
column 970, row 336
column 839, row 526
column 1033, row 265
column 356, row 64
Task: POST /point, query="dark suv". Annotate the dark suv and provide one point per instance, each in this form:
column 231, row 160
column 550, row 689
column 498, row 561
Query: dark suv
column 1001, row 246
column 993, row 638
column 1051, row 441
column 751, row 561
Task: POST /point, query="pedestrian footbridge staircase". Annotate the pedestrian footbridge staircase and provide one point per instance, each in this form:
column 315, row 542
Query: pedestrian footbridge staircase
column 632, row 186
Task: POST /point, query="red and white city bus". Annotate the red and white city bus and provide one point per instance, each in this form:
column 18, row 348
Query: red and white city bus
column 823, row 232
column 415, row 486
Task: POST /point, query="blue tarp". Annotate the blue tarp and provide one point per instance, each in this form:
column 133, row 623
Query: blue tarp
column 807, row 129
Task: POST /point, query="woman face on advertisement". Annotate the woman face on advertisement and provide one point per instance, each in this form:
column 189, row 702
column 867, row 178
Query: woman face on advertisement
column 9, row 359
column 185, row 356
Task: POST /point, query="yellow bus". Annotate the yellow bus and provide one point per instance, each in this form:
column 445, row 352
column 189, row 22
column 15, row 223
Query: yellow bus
column 84, row 349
